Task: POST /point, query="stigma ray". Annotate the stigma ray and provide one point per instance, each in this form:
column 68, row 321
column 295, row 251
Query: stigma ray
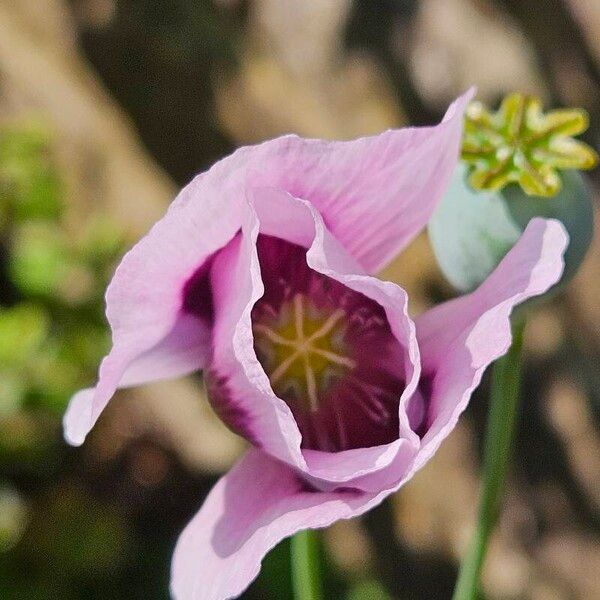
column 301, row 344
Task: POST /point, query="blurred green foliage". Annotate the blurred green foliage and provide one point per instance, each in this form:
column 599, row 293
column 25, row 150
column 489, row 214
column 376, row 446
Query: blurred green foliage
column 52, row 337
column 29, row 183
column 368, row 589
column 52, row 329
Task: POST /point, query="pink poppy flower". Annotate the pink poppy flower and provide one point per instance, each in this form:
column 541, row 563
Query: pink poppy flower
column 260, row 275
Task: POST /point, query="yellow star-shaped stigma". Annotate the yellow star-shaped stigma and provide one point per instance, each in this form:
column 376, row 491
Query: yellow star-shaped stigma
column 521, row 144
column 303, row 349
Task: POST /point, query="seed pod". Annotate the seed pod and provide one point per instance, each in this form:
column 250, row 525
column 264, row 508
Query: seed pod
column 509, row 174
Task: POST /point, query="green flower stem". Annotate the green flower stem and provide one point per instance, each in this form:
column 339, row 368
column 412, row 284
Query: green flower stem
column 306, row 569
column 497, row 453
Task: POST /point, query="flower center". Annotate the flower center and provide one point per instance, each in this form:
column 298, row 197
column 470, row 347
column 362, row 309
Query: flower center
column 303, row 349
column 328, row 351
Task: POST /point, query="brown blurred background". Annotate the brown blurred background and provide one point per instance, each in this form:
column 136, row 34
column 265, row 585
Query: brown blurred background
column 106, row 108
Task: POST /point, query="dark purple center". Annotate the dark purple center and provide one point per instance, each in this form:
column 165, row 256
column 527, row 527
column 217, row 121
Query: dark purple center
column 328, row 351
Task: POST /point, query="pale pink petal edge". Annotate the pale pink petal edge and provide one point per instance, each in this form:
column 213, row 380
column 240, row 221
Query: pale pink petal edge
column 479, row 323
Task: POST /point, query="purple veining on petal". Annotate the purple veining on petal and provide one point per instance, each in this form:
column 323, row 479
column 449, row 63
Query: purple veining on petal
column 329, row 353
column 232, row 415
